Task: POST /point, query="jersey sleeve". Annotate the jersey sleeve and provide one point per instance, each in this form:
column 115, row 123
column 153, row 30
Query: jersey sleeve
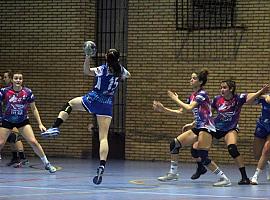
column 98, row 70
column 242, row 98
column 31, row 97
column 124, row 73
column 200, row 97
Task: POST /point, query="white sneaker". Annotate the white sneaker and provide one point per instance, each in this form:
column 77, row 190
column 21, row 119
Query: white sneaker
column 169, row 177
column 50, row 168
column 268, row 170
column 223, row 182
column 254, row 181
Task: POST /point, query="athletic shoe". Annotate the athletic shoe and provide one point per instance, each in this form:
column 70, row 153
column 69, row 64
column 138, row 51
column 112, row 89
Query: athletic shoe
column 254, row 181
column 98, row 178
column 268, row 170
column 50, row 168
column 169, row 177
column 22, row 163
column 200, row 171
column 245, row 181
column 13, row 161
column 223, row 182
column 51, row 132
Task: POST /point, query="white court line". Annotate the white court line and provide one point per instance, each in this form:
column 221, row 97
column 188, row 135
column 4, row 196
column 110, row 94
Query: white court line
column 117, row 191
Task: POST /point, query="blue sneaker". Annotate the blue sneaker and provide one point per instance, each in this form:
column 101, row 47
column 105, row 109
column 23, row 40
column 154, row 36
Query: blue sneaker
column 51, row 132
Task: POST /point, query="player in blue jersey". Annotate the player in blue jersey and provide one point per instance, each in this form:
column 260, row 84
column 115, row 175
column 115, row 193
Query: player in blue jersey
column 16, row 100
column 199, row 104
column 18, row 158
column 261, row 146
column 98, row 101
column 228, row 107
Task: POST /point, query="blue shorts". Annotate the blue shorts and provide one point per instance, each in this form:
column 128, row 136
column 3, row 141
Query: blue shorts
column 96, row 107
column 262, row 131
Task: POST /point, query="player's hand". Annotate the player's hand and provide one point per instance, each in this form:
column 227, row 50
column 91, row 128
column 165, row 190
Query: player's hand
column 172, row 95
column 42, row 128
column 158, row 106
column 265, row 89
column 187, row 127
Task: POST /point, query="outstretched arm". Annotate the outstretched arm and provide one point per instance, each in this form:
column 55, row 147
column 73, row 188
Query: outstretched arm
column 252, row 96
column 36, row 114
column 159, row 107
column 186, row 106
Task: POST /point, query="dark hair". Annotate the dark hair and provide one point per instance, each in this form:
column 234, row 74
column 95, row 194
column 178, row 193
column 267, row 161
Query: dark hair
column 231, row 84
column 113, row 56
column 9, row 72
column 202, row 76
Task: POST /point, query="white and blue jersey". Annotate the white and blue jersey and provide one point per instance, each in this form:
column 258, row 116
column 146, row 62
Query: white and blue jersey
column 100, row 100
column 263, row 124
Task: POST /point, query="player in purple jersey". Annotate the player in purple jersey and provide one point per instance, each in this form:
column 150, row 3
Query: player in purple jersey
column 228, row 107
column 261, row 146
column 16, row 100
column 18, row 158
column 199, row 104
column 98, row 101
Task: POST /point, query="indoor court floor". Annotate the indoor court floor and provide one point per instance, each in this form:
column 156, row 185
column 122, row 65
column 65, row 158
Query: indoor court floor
column 123, row 180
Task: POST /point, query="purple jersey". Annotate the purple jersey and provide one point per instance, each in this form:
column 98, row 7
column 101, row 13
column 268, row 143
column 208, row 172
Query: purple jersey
column 16, row 104
column 228, row 111
column 202, row 113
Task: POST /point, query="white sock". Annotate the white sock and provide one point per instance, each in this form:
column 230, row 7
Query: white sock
column 44, row 160
column 174, row 167
column 257, row 173
column 220, row 173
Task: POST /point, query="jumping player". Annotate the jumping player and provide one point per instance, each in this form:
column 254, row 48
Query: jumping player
column 16, row 100
column 199, row 104
column 261, row 146
column 99, row 101
column 228, row 107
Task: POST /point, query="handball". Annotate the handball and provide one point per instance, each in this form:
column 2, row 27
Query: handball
column 90, row 48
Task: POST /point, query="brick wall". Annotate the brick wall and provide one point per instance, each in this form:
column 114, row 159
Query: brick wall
column 156, row 66
column 44, row 40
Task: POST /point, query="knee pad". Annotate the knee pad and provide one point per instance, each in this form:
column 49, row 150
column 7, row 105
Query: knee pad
column 194, row 153
column 175, row 146
column 67, row 108
column 12, row 138
column 203, row 154
column 232, row 148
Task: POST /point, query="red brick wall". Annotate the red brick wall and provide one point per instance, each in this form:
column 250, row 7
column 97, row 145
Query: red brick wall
column 44, row 40
column 154, row 62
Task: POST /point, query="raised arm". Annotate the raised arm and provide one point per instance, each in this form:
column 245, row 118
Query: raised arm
column 86, row 67
column 252, row 96
column 186, row 106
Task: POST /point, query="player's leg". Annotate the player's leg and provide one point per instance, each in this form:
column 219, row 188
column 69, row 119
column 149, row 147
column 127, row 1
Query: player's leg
column 74, row 104
column 184, row 139
column 200, row 167
column 28, row 134
column 104, row 125
column 204, row 144
column 4, row 133
column 262, row 161
column 15, row 160
column 231, row 141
